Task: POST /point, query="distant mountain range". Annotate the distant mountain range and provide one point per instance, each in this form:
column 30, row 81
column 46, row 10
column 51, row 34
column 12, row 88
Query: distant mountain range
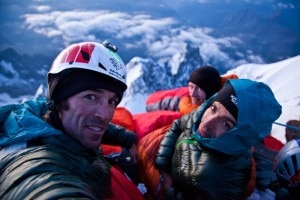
column 22, row 74
column 169, row 38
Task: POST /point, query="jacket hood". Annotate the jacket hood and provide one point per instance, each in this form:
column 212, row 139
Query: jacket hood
column 257, row 110
column 20, row 123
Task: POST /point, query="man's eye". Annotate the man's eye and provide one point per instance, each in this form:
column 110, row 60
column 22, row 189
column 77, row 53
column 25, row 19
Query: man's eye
column 90, row 97
column 227, row 125
column 114, row 102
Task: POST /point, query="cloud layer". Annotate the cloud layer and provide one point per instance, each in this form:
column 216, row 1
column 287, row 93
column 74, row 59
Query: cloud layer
column 162, row 38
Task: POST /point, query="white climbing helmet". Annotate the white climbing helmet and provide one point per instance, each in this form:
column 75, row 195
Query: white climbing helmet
column 102, row 58
column 287, row 162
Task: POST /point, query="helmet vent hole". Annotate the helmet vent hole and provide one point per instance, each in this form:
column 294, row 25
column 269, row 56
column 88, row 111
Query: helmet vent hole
column 294, row 159
column 280, row 171
column 85, row 55
column 286, row 166
column 101, row 66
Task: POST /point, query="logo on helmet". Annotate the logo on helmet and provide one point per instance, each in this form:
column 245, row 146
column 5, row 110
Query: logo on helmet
column 116, row 64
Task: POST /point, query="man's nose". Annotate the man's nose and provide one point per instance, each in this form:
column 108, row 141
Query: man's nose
column 103, row 112
column 193, row 92
column 209, row 122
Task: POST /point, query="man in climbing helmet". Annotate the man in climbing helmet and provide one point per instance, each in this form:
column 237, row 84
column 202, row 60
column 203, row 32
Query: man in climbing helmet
column 59, row 137
column 85, row 79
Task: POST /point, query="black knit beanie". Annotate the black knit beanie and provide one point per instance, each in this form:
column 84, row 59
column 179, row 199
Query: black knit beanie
column 227, row 98
column 70, row 82
column 207, row 78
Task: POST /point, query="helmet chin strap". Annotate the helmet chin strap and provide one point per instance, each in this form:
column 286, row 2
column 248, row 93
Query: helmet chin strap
column 54, row 117
column 50, row 105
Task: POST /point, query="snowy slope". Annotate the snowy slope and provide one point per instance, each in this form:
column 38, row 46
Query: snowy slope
column 134, row 101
